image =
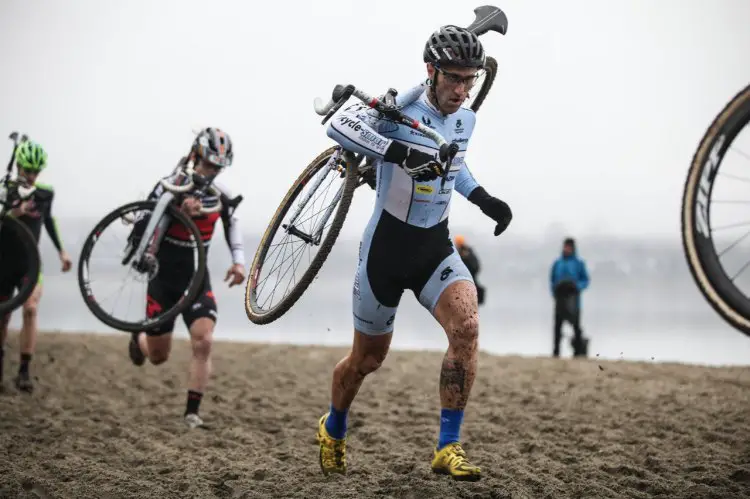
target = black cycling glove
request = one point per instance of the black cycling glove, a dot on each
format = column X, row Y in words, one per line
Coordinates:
column 497, row 210
column 420, row 166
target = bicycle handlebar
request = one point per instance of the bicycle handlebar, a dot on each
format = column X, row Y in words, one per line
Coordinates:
column 189, row 172
column 341, row 94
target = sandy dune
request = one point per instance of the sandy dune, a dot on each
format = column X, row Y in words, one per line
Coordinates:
column 97, row 426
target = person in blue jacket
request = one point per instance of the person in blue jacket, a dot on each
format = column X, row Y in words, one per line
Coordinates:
column 568, row 278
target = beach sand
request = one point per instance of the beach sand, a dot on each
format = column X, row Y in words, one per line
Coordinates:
column 97, row 426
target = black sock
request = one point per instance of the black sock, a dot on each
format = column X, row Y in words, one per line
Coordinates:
column 193, row 401
column 24, row 367
column 2, row 352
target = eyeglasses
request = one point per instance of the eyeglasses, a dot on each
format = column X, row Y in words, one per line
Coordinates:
column 454, row 79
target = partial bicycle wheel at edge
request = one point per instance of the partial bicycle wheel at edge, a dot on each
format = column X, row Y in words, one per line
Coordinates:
column 254, row 312
column 16, row 233
column 490, row 68
column 188, row 295
column 718, row 289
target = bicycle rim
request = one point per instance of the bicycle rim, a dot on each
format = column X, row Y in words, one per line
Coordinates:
column 268, row 254
column 706, row 251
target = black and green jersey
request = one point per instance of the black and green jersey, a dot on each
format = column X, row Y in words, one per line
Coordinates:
column 39, row 212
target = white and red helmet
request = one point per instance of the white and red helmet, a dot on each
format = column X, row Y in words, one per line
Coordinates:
column 214, row 146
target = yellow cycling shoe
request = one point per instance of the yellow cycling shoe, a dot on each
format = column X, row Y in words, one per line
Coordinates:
column 332, row 450
column 451, row 460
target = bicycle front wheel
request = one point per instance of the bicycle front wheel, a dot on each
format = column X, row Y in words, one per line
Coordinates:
column 716, row 193
column 20, row 264
column 109, row 250
column 329, row 183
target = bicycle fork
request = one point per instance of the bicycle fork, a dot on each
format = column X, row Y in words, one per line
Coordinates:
column 334, row 163
column 156, row 226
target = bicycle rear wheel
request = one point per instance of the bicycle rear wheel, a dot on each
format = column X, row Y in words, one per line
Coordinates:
column 300, row 233
column 20, row 264
column 160, row 265
column 699, row 209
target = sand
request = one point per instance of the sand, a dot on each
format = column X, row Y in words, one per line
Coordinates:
column 97, row 426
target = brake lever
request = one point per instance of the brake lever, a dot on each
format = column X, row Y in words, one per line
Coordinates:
column 447, row 154
column 340, row 95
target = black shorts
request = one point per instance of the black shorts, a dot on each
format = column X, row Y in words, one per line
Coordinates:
column 163, row 293
column 395, row 256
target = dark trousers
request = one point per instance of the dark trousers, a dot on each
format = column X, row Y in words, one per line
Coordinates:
column 566, row 310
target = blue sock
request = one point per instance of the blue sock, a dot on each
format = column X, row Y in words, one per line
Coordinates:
column 450, row 426
column 336, row 423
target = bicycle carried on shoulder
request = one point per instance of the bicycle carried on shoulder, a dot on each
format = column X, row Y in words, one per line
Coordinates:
column 714, row 249
column 312, row 218
column 20, row 261
column 139, row 254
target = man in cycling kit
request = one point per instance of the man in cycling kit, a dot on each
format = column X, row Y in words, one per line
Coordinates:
column 211, row 152
column 406, row 245
column 31, row 159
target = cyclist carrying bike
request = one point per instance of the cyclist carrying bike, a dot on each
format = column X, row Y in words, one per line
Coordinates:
column 31, row 159
column 406, row 245
column 211, row 152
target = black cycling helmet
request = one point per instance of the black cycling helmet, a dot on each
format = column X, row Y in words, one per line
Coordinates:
column 214, row 146
column 455, row 46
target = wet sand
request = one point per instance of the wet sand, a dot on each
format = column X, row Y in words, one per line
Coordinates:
column 97, row 426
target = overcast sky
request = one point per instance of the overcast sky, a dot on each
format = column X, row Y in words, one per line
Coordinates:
column 592, row 121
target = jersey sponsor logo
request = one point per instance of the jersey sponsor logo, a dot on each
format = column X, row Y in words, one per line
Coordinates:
column 355, row 125
column 153, row 307
column 459, row 127
column 369, row 138
column 373, row 140
column 361, row 319
column 447, row 271
column 424, row 189
column 356, row 291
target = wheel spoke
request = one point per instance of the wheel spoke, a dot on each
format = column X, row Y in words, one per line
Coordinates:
column 744, row 267
column 737, row 150
column 730, row 226
column 735, row 177
column 287, row 253
column 738, row 241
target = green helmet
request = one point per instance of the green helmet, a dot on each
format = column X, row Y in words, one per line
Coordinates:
column 31, row 156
